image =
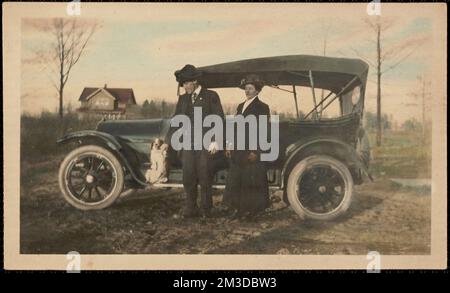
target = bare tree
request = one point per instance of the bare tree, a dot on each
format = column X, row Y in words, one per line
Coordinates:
column 325, row 41
column 421, row 94
column 386, row 58
column 69, row 38
column 323, row 37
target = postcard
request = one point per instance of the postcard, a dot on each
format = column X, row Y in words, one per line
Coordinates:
column 222, row 136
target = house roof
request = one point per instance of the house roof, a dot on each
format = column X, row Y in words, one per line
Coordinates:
column 122, row 95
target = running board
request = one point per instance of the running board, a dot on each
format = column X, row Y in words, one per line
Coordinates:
column 179, row 185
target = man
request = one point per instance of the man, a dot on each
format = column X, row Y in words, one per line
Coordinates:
column 197, row 164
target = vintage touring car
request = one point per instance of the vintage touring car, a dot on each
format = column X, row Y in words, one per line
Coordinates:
column 320, row 159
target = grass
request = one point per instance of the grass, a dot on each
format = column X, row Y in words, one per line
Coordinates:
column 419, row 190
column 38, row 134
column 402, row 154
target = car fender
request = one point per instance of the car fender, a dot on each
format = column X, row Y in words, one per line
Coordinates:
column 324, row 145
column 110, row 142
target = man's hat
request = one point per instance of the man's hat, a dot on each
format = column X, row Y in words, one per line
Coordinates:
column 252, row 79
column 187, row 73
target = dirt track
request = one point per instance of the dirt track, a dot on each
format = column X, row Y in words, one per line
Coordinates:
column 382, row 217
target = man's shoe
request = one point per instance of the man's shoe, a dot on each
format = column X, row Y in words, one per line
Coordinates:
column 249, row 217
column 233, row 214
column 191, row 213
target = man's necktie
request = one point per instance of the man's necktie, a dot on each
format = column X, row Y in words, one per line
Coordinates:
column 193, row 97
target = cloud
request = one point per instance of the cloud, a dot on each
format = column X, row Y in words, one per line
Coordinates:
column 220, row 44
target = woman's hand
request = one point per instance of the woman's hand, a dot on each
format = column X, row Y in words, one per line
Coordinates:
column 228, row 153
column 252, row 157
column 228, row 149
column 213, row 147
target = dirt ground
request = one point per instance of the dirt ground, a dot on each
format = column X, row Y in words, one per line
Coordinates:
column 382, row 217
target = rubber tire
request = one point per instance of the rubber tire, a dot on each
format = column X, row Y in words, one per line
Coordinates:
column 91, row 149
column 297, row 172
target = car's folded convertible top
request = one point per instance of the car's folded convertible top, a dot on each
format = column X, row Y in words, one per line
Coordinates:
column 328, row 72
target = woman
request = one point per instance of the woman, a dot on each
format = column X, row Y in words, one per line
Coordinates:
column 247, row 192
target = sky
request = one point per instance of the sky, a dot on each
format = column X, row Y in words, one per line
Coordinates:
column 139, row 46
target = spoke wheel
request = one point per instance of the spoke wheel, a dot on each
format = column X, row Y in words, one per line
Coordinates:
column 320, row 187
column 91, row 177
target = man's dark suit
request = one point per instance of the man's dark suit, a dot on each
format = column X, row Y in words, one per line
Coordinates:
column 197, row 164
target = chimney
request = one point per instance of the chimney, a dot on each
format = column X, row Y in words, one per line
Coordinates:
column 105, row 86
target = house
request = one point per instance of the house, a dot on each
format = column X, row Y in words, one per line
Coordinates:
column 110, row 103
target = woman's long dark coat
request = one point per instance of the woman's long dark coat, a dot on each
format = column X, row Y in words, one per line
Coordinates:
column 247, row 187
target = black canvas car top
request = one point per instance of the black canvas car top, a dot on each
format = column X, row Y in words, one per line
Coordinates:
column 328, row 72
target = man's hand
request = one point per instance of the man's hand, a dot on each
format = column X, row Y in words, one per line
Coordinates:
column 213, row 147
column 252, row 157
column 228, row 149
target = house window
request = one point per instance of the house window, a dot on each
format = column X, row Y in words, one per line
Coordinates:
column 101, row 103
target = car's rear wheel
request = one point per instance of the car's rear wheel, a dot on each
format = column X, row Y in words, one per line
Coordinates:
column 320, row 187
column 90, row 178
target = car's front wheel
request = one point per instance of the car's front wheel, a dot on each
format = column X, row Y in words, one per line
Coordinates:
column 320, row 187
column 91, row 177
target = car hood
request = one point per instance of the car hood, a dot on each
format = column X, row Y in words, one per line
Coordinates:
column 146, row 129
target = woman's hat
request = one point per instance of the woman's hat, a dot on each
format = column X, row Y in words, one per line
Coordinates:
column 252, row 79
column 187, row 73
